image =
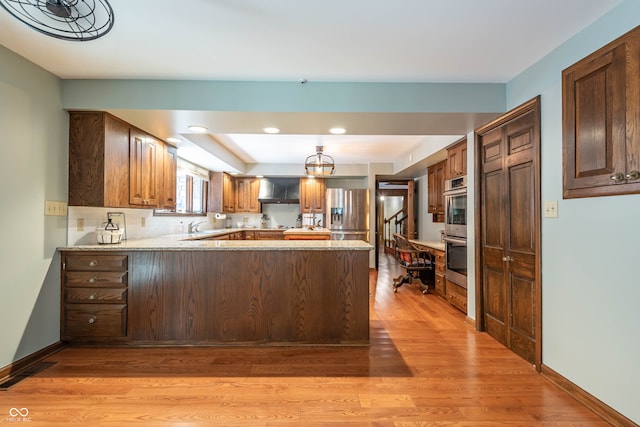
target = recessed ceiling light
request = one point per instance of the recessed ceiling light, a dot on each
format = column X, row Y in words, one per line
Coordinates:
column 337, row 131
column 199, row 129
column 174, row 140
column 271, row 130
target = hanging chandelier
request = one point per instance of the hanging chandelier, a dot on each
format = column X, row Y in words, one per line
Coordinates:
column 74, row 20
column 319, row 164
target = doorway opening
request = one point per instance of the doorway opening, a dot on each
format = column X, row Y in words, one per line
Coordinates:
column 395, row 204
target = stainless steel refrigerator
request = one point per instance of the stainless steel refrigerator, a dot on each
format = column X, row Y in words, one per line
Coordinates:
column 347, row 213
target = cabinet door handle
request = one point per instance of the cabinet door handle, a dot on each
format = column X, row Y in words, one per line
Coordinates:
column 92, row 319
column 93, row 296
column 633, row 175
column 617, row 177
column 507, row 258
column 93, row 280
column 93, row 263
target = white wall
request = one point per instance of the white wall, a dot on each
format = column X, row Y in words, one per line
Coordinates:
column 427, row 229
column 590, row 281
column 33, row 167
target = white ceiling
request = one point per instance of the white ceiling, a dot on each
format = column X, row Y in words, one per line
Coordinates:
column 453, row 41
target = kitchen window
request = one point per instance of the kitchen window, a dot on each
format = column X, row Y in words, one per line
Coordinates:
column 192, row 189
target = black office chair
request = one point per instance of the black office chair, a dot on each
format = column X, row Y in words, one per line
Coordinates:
column 413, row 261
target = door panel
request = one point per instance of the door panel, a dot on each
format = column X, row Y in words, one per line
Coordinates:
column 522, row 329
column 508, row 304
column 521, row 212
column 495, row 307
column 492, row 206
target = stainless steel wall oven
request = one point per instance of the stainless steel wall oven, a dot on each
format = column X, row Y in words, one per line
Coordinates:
column 455, row 230
column 455, row 209
column 456, row 260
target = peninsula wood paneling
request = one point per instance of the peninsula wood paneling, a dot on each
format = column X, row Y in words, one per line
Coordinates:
column 249, row 297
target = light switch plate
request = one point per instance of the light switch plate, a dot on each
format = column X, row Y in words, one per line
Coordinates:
column 54, row 208
column 551, row 209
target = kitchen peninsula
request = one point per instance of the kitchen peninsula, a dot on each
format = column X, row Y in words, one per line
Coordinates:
column 174, row 290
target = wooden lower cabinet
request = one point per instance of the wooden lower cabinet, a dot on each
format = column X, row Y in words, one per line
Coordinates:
column 439, row 276
column 456, row 295
column 94, row 296
column 269, row 235
column 216, row 297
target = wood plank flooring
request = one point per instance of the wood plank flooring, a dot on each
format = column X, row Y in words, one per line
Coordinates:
column 425, row 367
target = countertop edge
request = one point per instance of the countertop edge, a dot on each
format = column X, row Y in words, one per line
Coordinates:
column 174, row 243
column 429, row 243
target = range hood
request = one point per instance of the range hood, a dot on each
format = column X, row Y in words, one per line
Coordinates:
column 279, row 190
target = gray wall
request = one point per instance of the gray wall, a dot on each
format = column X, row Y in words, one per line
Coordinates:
column 33, row 168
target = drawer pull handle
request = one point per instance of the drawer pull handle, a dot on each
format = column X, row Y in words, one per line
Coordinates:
column 93, row 296
column 93, row 263
column 93, row 280
column 92, row 319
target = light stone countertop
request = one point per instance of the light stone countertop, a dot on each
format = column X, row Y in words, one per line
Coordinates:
column 429, row 243
column 197, row 241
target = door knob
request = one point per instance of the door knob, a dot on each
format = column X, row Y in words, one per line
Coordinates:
column 507, row 258
column 617, row 177
column 633, row 175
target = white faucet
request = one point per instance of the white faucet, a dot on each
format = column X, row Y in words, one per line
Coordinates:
column 194, row 226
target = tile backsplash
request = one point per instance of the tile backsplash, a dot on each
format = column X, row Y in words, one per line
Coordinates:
column 141, row 223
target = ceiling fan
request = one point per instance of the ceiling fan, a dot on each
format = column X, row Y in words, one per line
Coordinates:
column 74, row 20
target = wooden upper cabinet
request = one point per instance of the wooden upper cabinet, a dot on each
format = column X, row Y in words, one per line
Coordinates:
column 145, row 156
column 221, row 192
column 312, row 195
column 229, row 193
column 601, row 121
column 246, row 195
column 169, row 170
column 435, row 187
column 457, row 159
column 98, row 160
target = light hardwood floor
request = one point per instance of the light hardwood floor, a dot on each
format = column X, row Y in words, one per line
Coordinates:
column 425, row 367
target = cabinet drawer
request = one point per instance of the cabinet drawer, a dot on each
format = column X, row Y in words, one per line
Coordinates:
column 96, row 279
column 96, row 262
column 95, row 320
column 457, row 296
column 440, row 262
column 95, row 295
column 440, row 285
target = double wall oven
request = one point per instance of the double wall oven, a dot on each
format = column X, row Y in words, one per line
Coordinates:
column 455, row 230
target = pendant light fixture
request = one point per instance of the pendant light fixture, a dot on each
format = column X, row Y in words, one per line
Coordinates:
column 319, row 164
column 74, row 20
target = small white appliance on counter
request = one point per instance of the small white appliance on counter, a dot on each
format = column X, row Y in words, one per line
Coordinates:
column 312, row 220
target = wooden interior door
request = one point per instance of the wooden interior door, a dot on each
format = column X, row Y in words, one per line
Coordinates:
column 508, row 282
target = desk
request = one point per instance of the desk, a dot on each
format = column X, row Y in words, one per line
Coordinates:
column 437, row 250
column 455, row 294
